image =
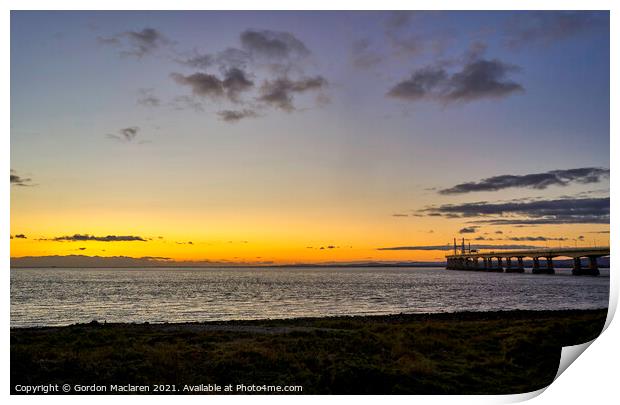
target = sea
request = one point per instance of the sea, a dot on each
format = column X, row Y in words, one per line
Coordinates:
column 64, row 296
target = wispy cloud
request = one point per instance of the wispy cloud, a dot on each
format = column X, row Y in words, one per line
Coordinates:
column 147, row 98
column 526, row 29
column 279, row 93
column 17, row 180
column 273, row 44
column 136, row 43
column 128, row 134
column 539, row 181
column 107, row 238
column 236, row 115
column 363, row 55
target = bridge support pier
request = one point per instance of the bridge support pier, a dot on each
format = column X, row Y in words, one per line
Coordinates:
column 592, row 270
column 520, row 268
column 536, row 269
column 511, row 269
column 535, row 265
column 500, row 267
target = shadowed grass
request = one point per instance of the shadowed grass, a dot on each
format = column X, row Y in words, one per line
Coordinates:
column 464, row 353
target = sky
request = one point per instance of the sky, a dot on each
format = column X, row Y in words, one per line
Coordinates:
column 306, row 137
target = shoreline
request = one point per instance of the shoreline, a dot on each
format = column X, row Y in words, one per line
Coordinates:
column 499, row 352
column 422, row 316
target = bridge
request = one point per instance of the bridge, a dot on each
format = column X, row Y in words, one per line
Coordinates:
column 501, row 261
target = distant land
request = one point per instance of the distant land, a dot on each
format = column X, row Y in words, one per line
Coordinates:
column 81, row 261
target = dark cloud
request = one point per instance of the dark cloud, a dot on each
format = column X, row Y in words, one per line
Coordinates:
column 559, row 211
column 235, row 82
column 534, row 238
column 477, row 79
column 421, row 84
column 279, row 93
column 236, row 115
column 537, row 181
column 108, row 238
column 202, row 84
column 526, row 29
column 469, row 229
column 400, row 215
column 450, row 247
column 20, row 236
column 273, row 44
column 125, row 134
column 17, row 180
column 136, row 43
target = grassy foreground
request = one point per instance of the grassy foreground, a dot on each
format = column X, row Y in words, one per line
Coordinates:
column 463, row 353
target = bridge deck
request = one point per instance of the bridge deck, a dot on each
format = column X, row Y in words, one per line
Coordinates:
column 550, row 252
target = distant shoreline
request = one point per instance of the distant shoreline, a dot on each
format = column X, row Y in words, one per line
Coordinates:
column 284, row 266
column 433, row 265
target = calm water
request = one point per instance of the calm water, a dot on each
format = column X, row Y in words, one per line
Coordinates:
column 65, row 296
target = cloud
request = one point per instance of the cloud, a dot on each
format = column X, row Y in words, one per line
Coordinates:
column 20, row 236
column 136, row 43
column 469, row 229
column 236, row 115
column 400, row 215
column 399, row 19
column 225, row 60
column 526, row 29
column 146, row 98
column 279, row 93
column 125, row 134
column 449, row 247
column 199, row 61
column 187, row 102
column 524, row 212
column 273, row 44
column 108, row 238
column 539, row 181
column 362, row 56
column 477, row 79
column 533, row 238
column 17, row 180
column 235, row 82
column 202, row 84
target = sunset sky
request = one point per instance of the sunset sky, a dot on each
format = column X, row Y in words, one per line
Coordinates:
column 288, row 137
